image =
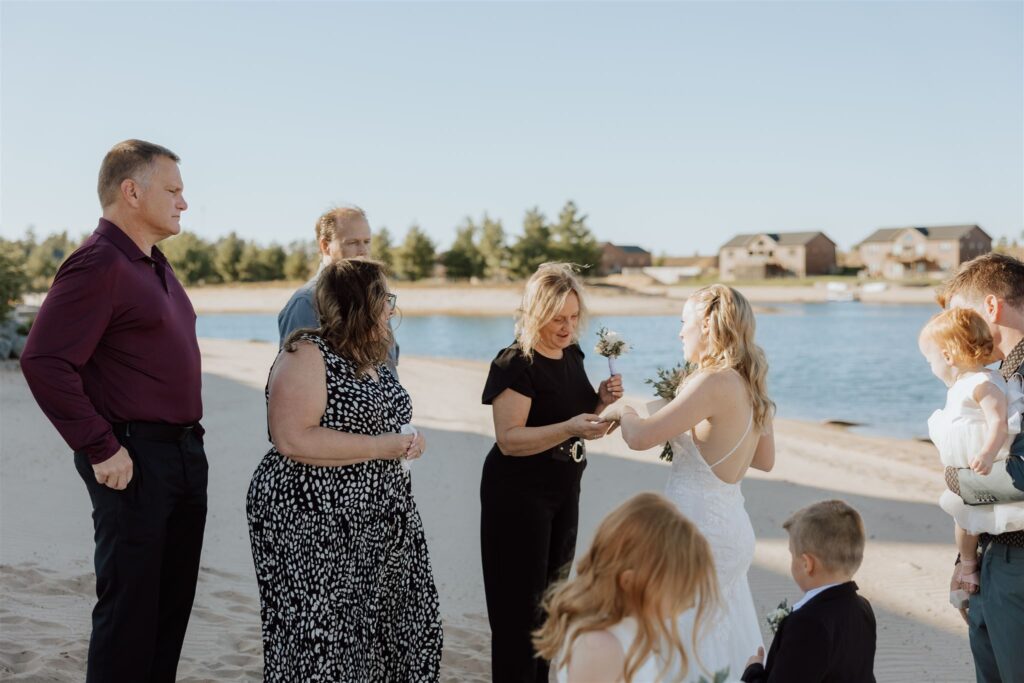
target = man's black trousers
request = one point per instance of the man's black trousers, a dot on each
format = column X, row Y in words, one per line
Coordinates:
column 148, row 542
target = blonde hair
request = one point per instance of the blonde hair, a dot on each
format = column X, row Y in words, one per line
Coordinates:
column 350, row 298
column 831, row 531
column 337, row 217
column 671, row 563
column 730, row 344
column 963, row 334
column 546, row 293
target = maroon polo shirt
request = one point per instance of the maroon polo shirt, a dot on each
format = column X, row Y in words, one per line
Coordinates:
column 114, row 341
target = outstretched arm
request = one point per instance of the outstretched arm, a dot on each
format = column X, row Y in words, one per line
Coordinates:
column 510, row 411
column 689, row 408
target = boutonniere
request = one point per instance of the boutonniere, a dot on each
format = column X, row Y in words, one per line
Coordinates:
column 611, row 345
column 775, row 617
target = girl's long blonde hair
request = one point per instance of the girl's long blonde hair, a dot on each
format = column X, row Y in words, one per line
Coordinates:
column 670, row 570
column 545, row 295
column 730, row 344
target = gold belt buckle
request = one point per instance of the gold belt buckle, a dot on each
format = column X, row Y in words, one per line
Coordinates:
column 577, row 451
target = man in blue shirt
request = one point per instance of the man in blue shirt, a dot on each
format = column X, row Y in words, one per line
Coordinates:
column 341, row 233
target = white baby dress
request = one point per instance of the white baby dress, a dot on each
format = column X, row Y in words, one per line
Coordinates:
column 959, row 431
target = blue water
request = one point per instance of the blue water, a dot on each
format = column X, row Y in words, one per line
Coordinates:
column 850, row 361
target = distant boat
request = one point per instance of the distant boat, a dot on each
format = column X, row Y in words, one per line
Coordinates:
column 839, row 292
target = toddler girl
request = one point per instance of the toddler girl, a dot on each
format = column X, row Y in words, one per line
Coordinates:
column 972, row 430
column 616, row 620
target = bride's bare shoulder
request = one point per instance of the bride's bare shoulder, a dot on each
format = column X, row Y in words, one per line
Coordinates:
column 725, row 380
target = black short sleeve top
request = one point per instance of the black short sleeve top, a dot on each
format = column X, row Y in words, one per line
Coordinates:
column 559, row 389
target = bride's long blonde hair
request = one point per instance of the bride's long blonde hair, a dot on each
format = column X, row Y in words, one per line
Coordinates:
column 670, row 570
column 730, row 344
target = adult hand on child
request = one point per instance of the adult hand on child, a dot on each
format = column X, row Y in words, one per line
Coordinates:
column 955, row 584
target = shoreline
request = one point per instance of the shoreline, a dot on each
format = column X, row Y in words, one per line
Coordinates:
column 501, row 300
column 416, row 299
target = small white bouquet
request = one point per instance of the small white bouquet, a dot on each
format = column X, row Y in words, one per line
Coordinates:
column 611, row 345
column 408, row 429
column 775, row 617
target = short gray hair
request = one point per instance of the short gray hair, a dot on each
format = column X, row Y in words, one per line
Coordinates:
column 129, row 159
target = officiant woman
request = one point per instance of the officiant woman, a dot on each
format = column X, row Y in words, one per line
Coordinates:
column 544, row 408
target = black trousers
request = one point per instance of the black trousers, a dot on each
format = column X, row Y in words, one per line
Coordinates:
column 148, row 541
column 529, row 513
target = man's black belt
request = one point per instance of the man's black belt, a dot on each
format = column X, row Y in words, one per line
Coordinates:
column 155, row 431
column 573, row 449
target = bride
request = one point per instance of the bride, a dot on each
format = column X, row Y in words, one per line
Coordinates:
column 718, row 425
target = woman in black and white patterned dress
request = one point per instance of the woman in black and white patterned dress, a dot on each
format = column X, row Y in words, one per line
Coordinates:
column 346, row 588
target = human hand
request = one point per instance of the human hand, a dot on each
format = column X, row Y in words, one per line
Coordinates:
column 417, row 447
column 116, row 471
column 955, row 585
column 610, row 390
column 758, row 658
column 982, row 464
column 588, row 426
column 394, row 446
column 614, row 414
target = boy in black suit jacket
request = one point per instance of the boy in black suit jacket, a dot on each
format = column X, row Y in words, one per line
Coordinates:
column 830, row 634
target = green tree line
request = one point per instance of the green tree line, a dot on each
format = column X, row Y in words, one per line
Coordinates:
column 481, row 249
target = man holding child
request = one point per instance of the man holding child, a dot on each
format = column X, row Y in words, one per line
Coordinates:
column 993, row 286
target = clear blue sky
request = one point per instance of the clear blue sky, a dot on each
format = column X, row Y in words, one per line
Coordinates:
column 672, row 125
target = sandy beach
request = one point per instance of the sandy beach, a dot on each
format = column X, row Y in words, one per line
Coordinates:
column 613, row 296
column 46, row 579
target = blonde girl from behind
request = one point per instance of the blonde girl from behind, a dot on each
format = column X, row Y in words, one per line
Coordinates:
column 616, row 620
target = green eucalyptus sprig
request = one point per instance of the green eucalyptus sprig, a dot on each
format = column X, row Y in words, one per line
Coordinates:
column 720, row 677
column 667, row 381
column 666, row 384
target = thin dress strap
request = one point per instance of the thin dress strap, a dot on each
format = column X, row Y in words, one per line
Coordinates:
column 750, row 423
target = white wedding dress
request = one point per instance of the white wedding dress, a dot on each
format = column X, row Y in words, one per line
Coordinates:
column 730, row 636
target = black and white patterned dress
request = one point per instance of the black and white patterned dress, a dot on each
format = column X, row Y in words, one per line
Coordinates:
column 346, row 588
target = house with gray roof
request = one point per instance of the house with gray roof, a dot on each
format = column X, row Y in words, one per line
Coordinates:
column 897, row 253
column 776, row 254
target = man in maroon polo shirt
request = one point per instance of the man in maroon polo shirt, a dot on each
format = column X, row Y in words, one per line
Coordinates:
column 113, row 362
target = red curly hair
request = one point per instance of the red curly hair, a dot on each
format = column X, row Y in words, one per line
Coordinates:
column 963, row 334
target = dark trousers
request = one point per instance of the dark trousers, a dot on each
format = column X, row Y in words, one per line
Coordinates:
column 148, row 541
column 996, row 616
column 529, row 514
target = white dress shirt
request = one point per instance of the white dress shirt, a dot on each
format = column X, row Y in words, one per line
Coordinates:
column 811, row 593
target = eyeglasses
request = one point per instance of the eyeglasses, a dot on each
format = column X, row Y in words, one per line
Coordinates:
column 392, row 300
